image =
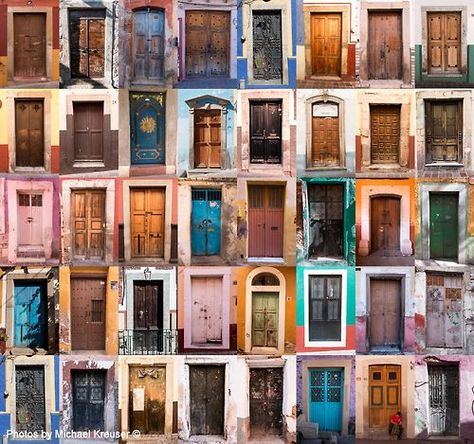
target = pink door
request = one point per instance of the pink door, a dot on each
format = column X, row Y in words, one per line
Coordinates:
column 30, row 222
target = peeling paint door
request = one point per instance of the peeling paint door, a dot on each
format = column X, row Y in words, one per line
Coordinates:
column 444, row 42
column 88, row 121
column 326, row 398
column 30, row 399
column 264, row 319
column 265, row 132
column 30, row 224
column 88, row 398
column 385, row 134
column 266, row 400
column 326, row 44
column 29, row 132
column 325, row 137
column 206, row 386
column 385, row 225
column 206, row 222
column 444, row 226
column 147, row 399
column 207, row 138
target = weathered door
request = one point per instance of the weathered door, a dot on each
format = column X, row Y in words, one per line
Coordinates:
column 326, row 220
column 444, row 310
column 325, row 137
column 385, row 314
column 147, row 399
column 147, row 206
column 265, row 132
column 87, row 43
column 326, row 44
column 30, row 399
column 207, row 138
column 266, row 399
column 206, row 222
column 206, row 386
column 88, row 313
column 148, row 44
column 384, row 45
column 29, row 45
column 267, row 48
column 443, row 384
column 207, row 43
column 384, row 134
column 88, row 396
column 264, row 319
column 147, row 128
column 265, row 215
column 30, row 224
column 88, row 222
column 444, row 42
column 325, row 308
column 326, row 398
column 444, row 131
column 88, row 131
column 206, row 310
column 385, row 225
column 384, row 394
column 29, row 133
column 444, row 225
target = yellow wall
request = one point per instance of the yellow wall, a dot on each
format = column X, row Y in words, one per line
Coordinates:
column 4, row 116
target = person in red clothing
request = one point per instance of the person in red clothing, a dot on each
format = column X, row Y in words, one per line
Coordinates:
column 395, row 427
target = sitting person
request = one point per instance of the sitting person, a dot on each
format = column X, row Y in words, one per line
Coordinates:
column 395, row 427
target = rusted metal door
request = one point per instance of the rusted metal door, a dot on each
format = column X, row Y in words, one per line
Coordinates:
column 266, row 212
column 30, row 399
column 88, row 222
column 207, row 138
column 88, row 121
column 385, row 225
column 385, row 314
column 29, row 45
column 88, row 398
column 147, row 399
column 87, row 43
column 206, row 386
column 384, row 134
column 147, row 206
column 326, row 44
column 325, row 137
column 266, row 399
column 444, row 310
column 88, row 313
column 444, row 42
column 384, row 45
column 29, row 132
column 264, row 319
column 207, row 43
column 444, row 225
column 265, row 132
column 30, row 223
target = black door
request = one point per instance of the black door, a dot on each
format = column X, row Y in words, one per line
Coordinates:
column 88, row 400
column 265, row 132
column 30, row 402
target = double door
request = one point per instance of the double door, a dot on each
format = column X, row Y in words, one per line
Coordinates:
column 265, row 132
column 30, row 224
column 264, row 319
column 385, row 225
column 444, row 226
column 207, row 138
column 444, row 42
column 326, row 44
column 88, row 397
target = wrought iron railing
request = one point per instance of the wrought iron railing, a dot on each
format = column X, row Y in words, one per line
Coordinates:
column 148, row 342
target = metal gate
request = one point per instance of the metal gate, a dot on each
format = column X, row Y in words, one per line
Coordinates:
column 30, row 402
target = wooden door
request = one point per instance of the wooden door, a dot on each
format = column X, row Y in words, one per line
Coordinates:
column 147, row 206
column 385, row 314
column 206, row 222
column 30, row 399
column 29, row 132
column 384, row 134
column 207, row 43
column 444, row 42
column 384, row 394
column 88, row 121
column 207, row 138
column 29, row 45
column 325, row 137
column 384, row 47
column 88, row 313
column 87, row 43
column 30, row 223
column 266, row 400
column 88, row 222
column 148, row 44
column 326, row 44
column 206, row 386
column 444, row 131
column 265, row 132
column 444, row 310
column 88, row 398
column 264, row 319
column 326, row 221
column 147, row 399
column 385, row 225
column 265, row 217
column 444, row 225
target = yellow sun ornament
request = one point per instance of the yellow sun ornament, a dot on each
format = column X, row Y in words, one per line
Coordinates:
column 148, row 124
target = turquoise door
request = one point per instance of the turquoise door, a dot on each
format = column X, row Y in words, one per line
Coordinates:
column 206, row 222
column 326, row 398
column 30, row 313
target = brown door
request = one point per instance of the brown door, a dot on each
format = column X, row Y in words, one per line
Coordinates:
column 88, row 313
column 207, row 43
column 326, row 44
column 29, row 45
column 325, row 137
column 207, row 138
column 384, row 134
column 385, row 225
column 444, row 42
column 266, row 211
column 88, row 131
column 29, row 135
column 265, row 132
column 147, row 206
column 385, row 314
column 384, row 45
column 147, row 399
column 148, row 305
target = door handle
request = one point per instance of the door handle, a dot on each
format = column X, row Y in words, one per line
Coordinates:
column 29, row 219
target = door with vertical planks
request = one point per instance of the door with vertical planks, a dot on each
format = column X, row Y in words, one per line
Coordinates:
column 88, row 399
column 88, row 121
column 385, row 225
column 444, row 42
column 30, row 399
column 265, row 132
column 29, row 133
column 326, row 44
column 264, row 319
column 444, row 226
column 385, row 134
column 207, row 138
column 325, row 137
column 30, row 225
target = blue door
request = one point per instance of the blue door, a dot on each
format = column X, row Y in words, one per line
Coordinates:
column 206, row 222
column 326, row 398
column 30, row 329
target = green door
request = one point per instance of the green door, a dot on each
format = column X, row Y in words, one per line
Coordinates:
column 444, row 226
column 264, row 319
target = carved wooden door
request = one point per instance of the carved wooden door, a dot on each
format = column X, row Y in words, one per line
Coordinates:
column 384, row 134
column 326, row 44
column 444, row 42
column 207, row 138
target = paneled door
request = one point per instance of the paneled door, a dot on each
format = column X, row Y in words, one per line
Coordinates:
column 265, row 132
column 264, row 319
column 326, row 44
column 88, row 121
column 88, row 398
column 206, row 222
column 384, row 134
column 29, row 132
column 444, row 42
column 30, row 224
column 30, row 399
column 207, row 138
column 325, row 137
column 385, row 225
column 444, row 225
